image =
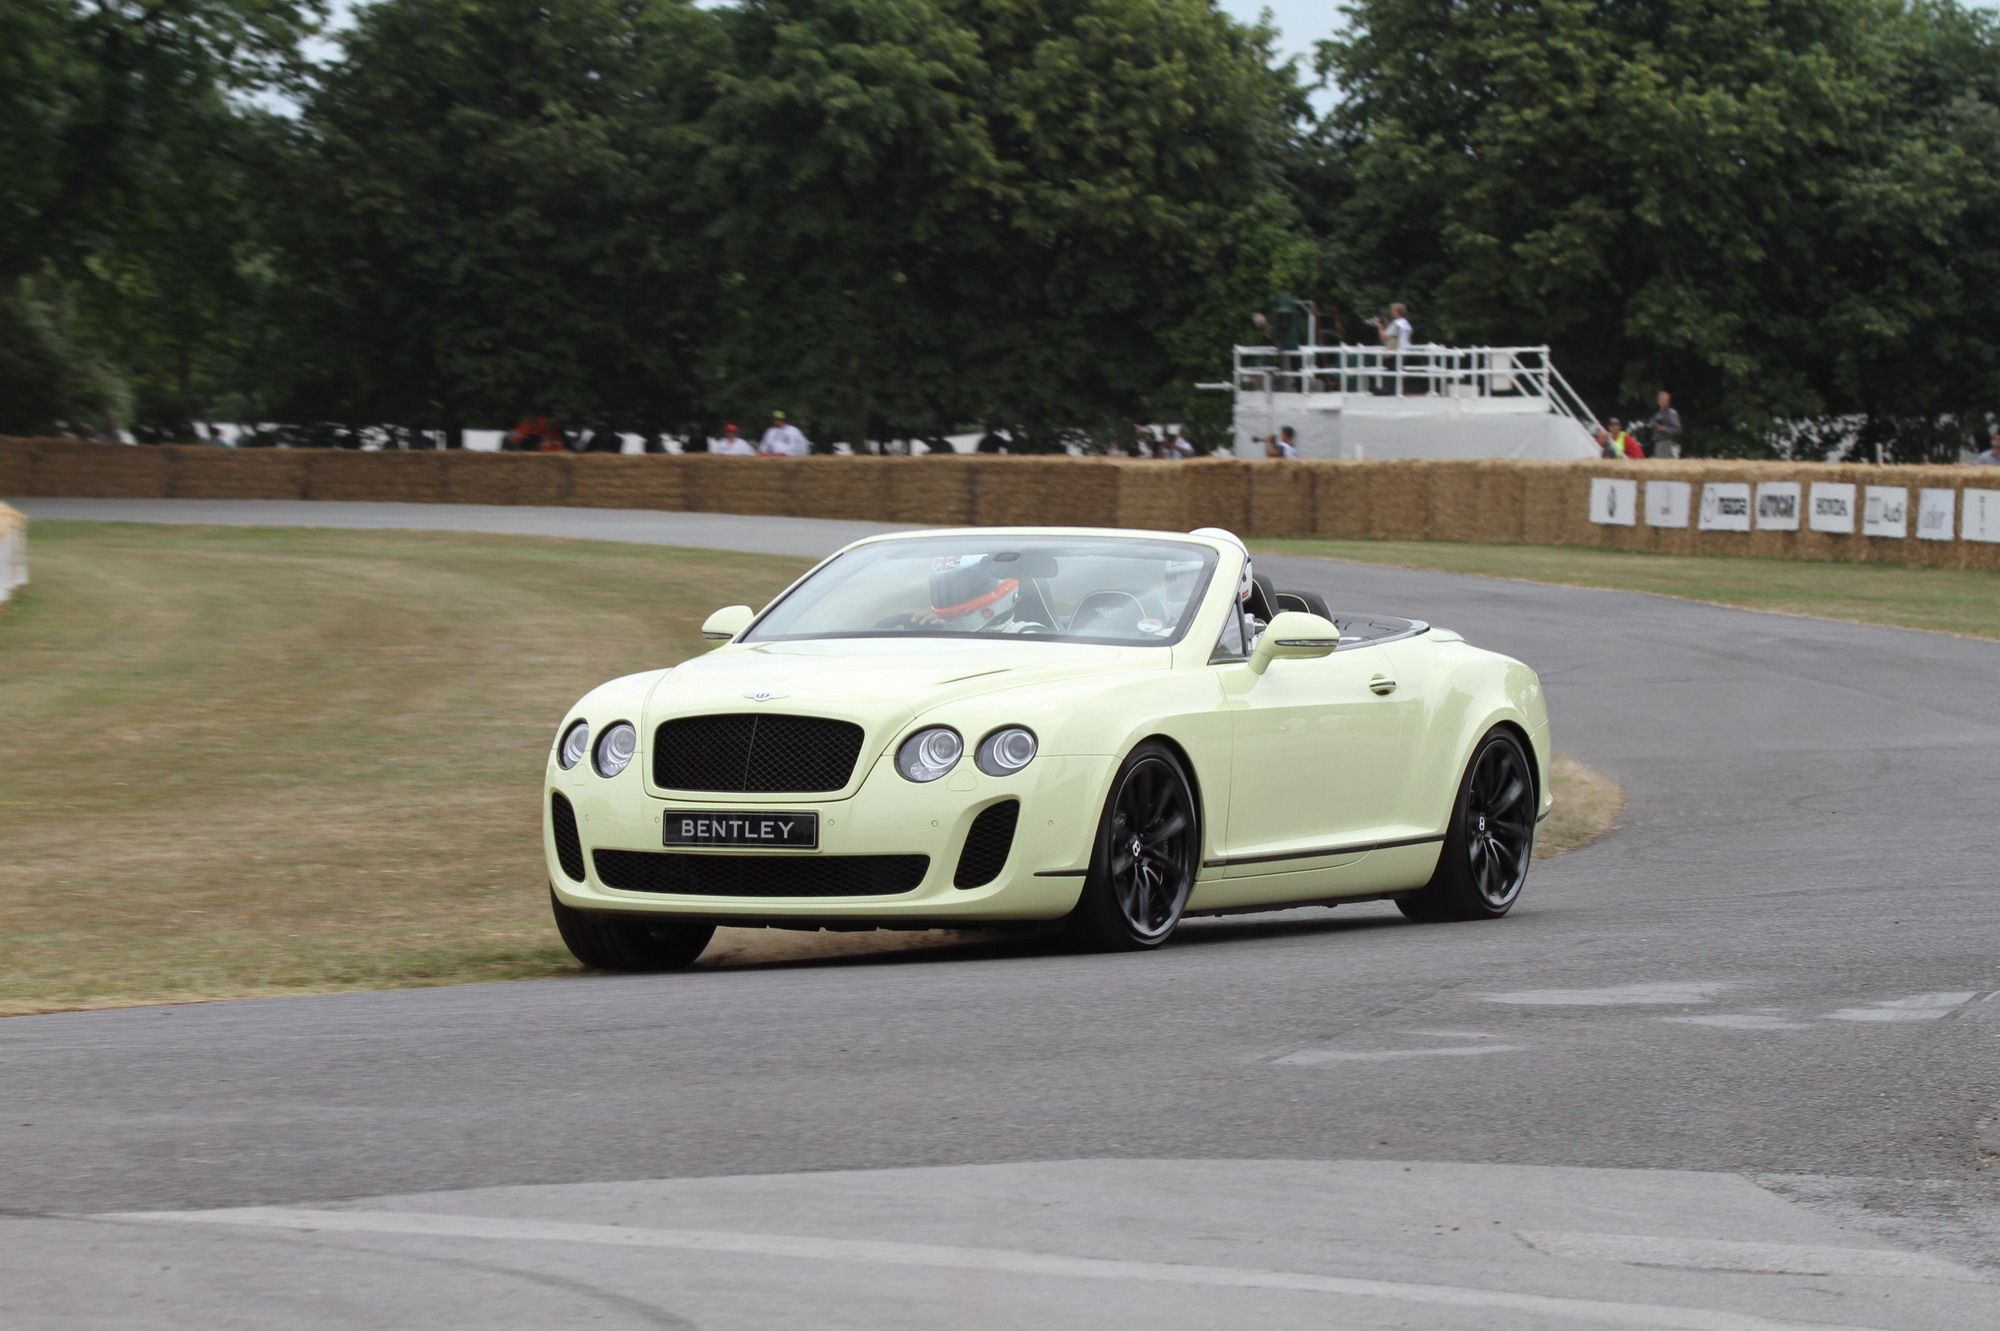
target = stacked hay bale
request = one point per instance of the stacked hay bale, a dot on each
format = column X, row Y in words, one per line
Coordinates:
column 1340, row 499
column 1280, row 501
column 1153, row 497
column 228, row 473
column 506, row 478
column 833, row 487
column 1217, row 494
column 1047, row 492
column 101, row 471
column 932, row 491
column 1551, row 495
column 758, row 486
column 397, row 478
column 17, row 465
column 1399, row 500
column 618, row 480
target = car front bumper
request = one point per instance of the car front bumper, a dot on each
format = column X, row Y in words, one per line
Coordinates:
column 1040, row 878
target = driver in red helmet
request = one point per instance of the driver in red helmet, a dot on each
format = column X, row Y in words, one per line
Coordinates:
column 972, row 594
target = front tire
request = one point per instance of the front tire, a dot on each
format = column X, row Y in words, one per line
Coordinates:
column 1143, row 865
column 1490, row 840
column 625, row 943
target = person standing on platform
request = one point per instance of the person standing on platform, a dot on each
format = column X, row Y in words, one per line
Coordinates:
column 1665, row 428
column 784, row 439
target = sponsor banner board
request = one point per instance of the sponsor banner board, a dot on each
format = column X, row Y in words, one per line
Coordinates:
column 1778, row 504
column 1937, row 513
column 1667, row 503
column 1886, row 511
column 1614, row 503
column 1725, row 506
column 1982, row 516
column 1832, row 507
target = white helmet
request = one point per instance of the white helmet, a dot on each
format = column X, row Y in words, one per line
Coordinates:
column 1245, row 583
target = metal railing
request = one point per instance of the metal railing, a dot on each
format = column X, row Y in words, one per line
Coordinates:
column 1513, row 374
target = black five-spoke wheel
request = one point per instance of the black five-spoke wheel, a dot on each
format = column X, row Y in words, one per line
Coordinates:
column 1491, row 839
column 1148, row 848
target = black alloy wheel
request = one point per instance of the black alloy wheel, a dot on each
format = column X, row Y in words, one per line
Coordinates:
column 1148, row 850
column 629, row 942
column 1490, row 841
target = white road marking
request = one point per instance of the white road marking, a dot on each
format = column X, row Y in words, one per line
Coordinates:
column 989, row 1260
column 1743, row 1021
column 1917, row 1007
column 1305, row 1058
column 1658, row 993
column 1787, row 1259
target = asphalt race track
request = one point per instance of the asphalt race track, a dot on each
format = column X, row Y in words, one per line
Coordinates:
column 1735, row 1066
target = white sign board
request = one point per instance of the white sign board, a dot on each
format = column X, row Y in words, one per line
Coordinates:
column 1667, row 503
column 1778, row 504
column 1725, row 506
column 1613, row 502
column 1937, row 513
column 1832, row 507
column 1886, row 512
column 1982, row 516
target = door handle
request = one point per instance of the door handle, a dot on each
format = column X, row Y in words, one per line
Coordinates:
column 1382, row 686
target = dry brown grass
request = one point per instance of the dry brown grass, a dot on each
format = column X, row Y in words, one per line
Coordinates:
column 241, row 762
column 1587, row 806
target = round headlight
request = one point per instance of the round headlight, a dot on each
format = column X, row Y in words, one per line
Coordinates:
column 574, row 741
column 615, row 747
column 1006, row 751
column 929, row 754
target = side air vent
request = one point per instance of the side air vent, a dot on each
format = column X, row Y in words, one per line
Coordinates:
column 569, row 846
column 987, row 845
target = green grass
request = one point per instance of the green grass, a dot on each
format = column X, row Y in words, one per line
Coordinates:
column 1941, row 600
column 241, row 762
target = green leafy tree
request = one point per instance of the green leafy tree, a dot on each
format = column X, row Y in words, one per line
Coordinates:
column 1734, row 200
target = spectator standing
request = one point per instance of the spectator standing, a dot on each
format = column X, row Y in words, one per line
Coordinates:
column 1398, row 336
column 1176, row 447
column 534, row 433
column 1991, row 457
column 1602, row 438
column 784, row 439
column 1280, row 446
column 1623, row 445
column 603, row 439
column 1666, row 428
column 732, row 444
column 1288, row 441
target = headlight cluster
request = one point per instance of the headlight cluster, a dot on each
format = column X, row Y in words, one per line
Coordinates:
column 616, row 744
column 933, row 752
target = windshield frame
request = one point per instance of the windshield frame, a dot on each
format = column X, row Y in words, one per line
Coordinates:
column 1210, row 559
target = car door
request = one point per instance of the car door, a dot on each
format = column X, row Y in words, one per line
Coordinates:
column 1321, row 748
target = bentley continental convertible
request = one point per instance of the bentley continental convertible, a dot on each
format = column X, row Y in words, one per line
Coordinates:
column 1102, row 732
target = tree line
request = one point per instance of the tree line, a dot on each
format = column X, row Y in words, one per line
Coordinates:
column 893, row 218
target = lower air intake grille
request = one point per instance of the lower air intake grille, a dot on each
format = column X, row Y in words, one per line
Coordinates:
column 986, row 845
column 760, row 875
column 569, row 846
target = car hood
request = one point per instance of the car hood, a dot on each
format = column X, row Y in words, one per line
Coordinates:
column 878, row 681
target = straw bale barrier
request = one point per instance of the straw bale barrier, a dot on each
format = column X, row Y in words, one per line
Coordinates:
column 1532, row 503
column 396, row 478
column 229, row 473
column 13, row 553
column 628, row 480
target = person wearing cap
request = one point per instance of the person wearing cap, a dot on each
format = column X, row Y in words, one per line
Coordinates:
column 732, row 444
column 1623, row 445
column 784, row 439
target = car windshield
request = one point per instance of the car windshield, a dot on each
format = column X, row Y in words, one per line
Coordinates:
column 1123, row 590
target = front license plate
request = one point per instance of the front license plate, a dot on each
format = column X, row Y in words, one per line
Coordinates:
column 781, row 831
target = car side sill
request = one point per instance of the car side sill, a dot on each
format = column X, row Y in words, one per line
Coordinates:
column 1322, row 852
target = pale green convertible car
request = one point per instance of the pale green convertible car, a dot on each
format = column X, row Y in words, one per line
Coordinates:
column 1099, row 731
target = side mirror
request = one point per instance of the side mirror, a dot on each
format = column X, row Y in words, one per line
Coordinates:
column 1294, row 636
column 727, row 622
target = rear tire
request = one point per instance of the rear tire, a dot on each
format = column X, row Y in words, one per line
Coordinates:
column 626, row 943
column 1489, row 841
column 1143, row 865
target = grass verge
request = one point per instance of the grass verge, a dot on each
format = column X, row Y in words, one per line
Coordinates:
column 1941, row 600
column 241, row 761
